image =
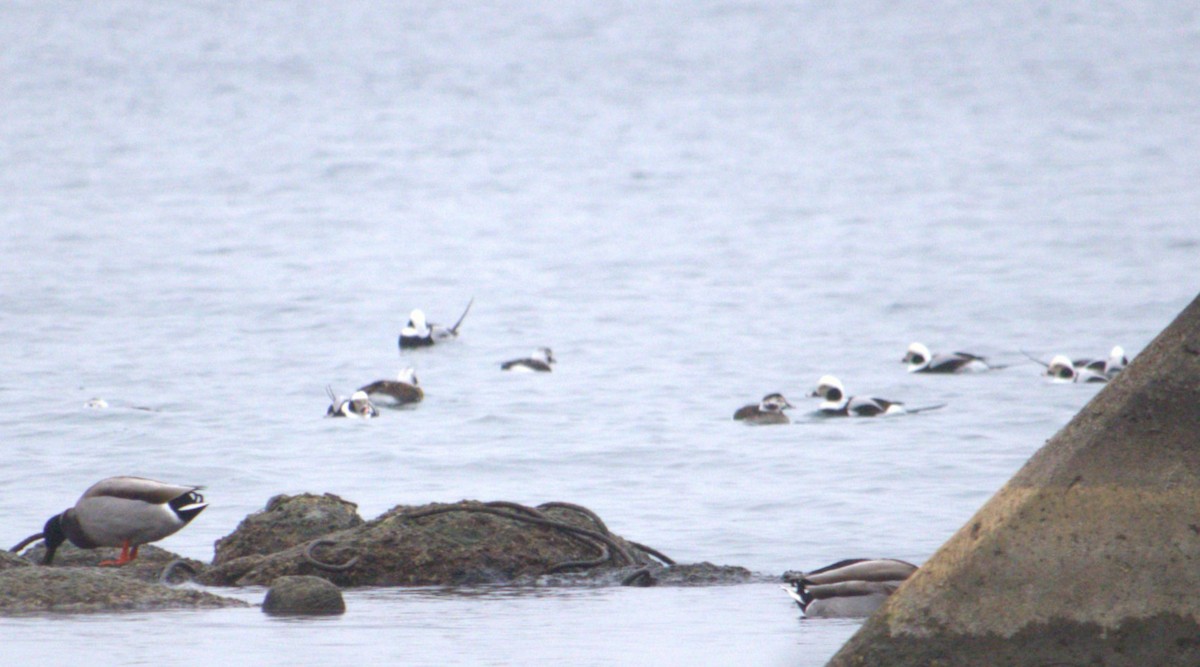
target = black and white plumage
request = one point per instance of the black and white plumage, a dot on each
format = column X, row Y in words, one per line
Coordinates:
column 921, row 360
column 420, row 333
column 1103, row 370
column 836, row 403
column 358, row 405
column 404, row 390
column 1062, row 369
column 124, row 512
column 851, row 588
column 539, row 362
column 767, row 411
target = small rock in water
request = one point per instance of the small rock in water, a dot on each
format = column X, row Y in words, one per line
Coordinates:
column 304, row 594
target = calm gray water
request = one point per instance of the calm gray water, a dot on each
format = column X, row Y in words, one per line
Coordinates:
column 216, row 210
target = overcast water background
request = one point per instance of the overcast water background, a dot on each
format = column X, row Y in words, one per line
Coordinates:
column 214, row 210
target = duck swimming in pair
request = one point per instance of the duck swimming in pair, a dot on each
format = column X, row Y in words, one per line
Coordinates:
column 421, row 333
column 768, row 411
column 852, row 588
column 921, row 360
column 837, row 404
column 1109, row 368
column 404, row 390
column 358, row 405
column 539, row 362
column 124, row 512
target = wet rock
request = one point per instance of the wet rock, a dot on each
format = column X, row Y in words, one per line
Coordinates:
column 438, row 544
column 286, row 522
column 148, row 566
column 304, row 595
column 10, row 560
column 76, row 589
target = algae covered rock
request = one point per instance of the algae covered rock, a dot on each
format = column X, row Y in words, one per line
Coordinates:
column 286, row 522
column 304, row 595
column 26, row 590
column 450, row 544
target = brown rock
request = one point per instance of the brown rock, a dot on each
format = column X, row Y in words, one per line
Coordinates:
column 311, row 596
column 286, row 522
column 26, row 590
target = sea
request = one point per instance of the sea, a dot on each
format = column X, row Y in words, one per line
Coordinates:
column 211, row 212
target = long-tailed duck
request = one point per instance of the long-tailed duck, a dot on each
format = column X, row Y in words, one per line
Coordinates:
column 1109, row 368
column 538, row 361
column 837, row 404
column 852, row 588
column 405, row 389
column 420, row 333
column 124, row 512
column 1062, row 369
column 358, row 405
column 920, row 360
column 768, row 411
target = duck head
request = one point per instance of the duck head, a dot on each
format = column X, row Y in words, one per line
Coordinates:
column 1060, row 369
column 829, row 388
column 54, row 536
column 360, row 404
column 917, row 356
column 774, row 403
column 545, row 354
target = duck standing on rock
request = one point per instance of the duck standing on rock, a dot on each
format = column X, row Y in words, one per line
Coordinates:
column 124, row 512
column 768, row 411
column 538, row 362
column 851, row 588
column 405, row 389
column 420, row 333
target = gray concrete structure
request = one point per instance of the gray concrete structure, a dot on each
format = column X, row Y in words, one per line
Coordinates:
column 1089, row 555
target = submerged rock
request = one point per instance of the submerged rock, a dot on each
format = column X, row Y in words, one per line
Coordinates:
column 304, row 595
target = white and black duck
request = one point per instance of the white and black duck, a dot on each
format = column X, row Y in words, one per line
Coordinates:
column 124, row 512
column 404, row 390
column 419, row 332
column 835, row 402
column 852, row 588
column 358, row 405
column 1108, row 368
column 767, row 411
column 537, row 362
column 921, row 360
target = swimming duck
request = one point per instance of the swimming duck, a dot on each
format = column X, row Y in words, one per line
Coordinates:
column 358, row 405
column 1062, row 369
column 1108, row 368
column 420, row 333
column 538, row 361
column 837, row 404
column 401, row 391
column 920, row 360
column 852, row 588
column 124, row 512
column 768, row 411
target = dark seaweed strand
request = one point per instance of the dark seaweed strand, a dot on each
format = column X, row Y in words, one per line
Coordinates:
column 537, row 520
column 663, row 558
column 177, row 564
column 322, row 565
column 580, row 509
